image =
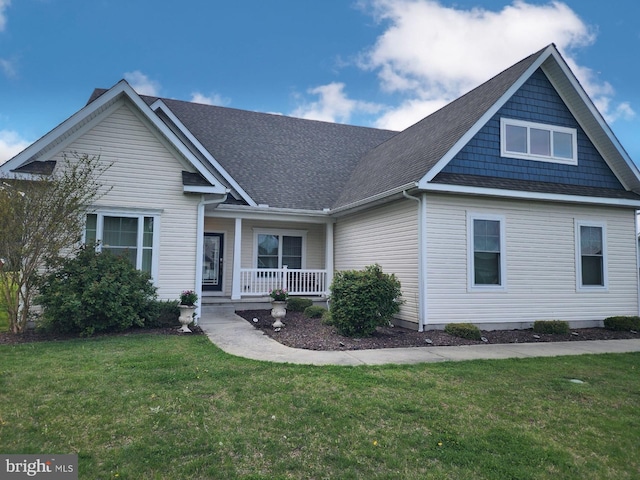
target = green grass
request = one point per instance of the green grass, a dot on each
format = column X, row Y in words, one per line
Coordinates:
column 144, row 406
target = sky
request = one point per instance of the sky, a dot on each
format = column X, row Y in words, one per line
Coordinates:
column 376, row 63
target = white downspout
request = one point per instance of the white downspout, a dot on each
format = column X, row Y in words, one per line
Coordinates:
column 329, row 265
column 200, row 248
column 637, row 237
column 422, row 258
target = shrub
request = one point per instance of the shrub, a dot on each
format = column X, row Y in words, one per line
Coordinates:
column 96, row 292
column 163, row 314
column 314, row 311
column 463, row 330
column 362, row 300
column 622, row 323
column 298, row 304
column 551, row 326
column 326, row 318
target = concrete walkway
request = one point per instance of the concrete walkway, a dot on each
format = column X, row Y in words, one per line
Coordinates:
column 236, row 336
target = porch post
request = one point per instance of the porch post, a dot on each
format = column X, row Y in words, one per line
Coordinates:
column 329, row 256
column 236, row 292
column 199, row 255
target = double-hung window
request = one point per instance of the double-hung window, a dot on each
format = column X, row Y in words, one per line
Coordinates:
column 486, row 252
column 538, row 141
column 591, row 255
column 275, row 249
column 133, row 236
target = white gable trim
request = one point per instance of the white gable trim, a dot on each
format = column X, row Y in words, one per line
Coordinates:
column 624, row 168
column 612, row 153
column 159, row 104
column 466, row 138
column 86, row 118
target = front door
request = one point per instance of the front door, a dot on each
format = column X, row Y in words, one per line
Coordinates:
column 212, row 261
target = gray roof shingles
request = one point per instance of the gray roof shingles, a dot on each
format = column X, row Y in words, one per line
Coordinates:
column 295, row 163
column 410, row 155
column 279, row 161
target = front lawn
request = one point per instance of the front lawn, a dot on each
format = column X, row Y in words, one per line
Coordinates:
column 146, row 406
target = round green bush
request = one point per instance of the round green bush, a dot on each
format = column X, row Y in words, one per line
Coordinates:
column 96, row 292
column 551, row 326
column 298, row 304
column 623, row 323
column 362, row 300
column 463, row 330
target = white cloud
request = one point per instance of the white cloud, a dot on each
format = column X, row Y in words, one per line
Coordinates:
column 430, row 54
column 333, row 105
column 4, row 4
column 7, row 68
column 10, row 145
column 214, row 99
column 141, row 83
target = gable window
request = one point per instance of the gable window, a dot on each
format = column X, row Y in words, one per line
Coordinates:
column 132, row 236
column 538, row 141
column 274, row 249
column 591, row 255
column 487, row 265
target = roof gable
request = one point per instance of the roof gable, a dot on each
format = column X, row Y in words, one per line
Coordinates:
column 102, row 103
column 536, row 101
column 409, row 156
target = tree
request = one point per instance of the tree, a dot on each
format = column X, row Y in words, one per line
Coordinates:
column 41, row 218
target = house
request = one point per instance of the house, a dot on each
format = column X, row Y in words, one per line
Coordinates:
column 514, row 203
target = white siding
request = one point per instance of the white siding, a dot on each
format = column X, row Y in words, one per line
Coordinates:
column 541, row 263
column 145, row 174
column 388, row 236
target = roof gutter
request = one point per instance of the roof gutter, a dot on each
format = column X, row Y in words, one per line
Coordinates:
column 378, row 198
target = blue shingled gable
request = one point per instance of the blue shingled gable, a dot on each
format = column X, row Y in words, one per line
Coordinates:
column 536, row 101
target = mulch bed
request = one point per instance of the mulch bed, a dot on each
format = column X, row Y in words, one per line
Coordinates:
column 312, row 334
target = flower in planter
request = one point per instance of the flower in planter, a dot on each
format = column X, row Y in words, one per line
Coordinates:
column 279, row 295
column 188, row 297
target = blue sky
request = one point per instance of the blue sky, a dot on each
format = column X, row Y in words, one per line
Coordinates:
column 380, row 63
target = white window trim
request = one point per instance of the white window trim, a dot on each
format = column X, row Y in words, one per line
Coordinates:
column 542, row 126
column 578, row 254
column 280, row 232
column 140, row 216
column 471, row 285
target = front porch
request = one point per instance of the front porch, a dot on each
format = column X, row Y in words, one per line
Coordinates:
column 249, row 252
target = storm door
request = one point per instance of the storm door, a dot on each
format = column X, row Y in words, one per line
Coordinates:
column 212, row 261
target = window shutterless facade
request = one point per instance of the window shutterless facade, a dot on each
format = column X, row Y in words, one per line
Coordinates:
column 591, row 256
column 486, row 252
column 538, row 141
column 133, row 236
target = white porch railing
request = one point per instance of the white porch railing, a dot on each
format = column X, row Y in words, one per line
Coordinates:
column 260, row 281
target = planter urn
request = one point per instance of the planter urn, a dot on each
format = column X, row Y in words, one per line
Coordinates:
column 186, row 317
column 278, row 311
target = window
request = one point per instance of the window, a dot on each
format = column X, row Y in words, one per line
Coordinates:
column 591, row 255
column 537, row 141
column 487, row 269
column 276, row 249
column 129, row 235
